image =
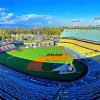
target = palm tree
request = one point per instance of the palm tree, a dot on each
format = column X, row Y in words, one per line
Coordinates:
column 3, row 35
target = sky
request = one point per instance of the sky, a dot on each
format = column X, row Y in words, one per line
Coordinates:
column 49, row 12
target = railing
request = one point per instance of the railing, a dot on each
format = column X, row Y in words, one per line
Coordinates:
column 58, row 95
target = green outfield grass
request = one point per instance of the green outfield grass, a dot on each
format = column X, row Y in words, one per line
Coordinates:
column 19, row 60
column 35, row 53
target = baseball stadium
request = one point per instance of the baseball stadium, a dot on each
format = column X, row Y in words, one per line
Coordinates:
column 44, row 71
column 49, row 49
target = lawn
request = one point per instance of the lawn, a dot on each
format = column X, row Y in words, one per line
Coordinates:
column 50, row 65
column 19, row 60
column 35, row 53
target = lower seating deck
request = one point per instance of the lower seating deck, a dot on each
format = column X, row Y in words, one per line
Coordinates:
column 83, row 51
column 91, row 91
column 12, row 87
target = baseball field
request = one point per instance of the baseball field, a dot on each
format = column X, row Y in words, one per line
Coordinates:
column 40, row 62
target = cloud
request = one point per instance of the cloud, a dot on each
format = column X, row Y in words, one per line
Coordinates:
column 39, row 20
column 35, row 20
column 29, row 19
column 5, row 17
column 9, row 16
column 2, row 9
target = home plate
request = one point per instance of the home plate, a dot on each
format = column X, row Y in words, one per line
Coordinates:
column 64, row 69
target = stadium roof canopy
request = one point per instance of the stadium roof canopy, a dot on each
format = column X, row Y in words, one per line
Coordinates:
column 84, row 34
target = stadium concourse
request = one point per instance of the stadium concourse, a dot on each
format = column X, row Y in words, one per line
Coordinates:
column 14, row 85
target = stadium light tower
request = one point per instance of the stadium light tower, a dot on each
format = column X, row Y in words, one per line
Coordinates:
column 97, row 20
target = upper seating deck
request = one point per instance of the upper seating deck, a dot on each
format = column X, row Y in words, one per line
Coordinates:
column 91, row 46
column 83, row 41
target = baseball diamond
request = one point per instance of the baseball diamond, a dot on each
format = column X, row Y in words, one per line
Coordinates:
column 41, row 62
